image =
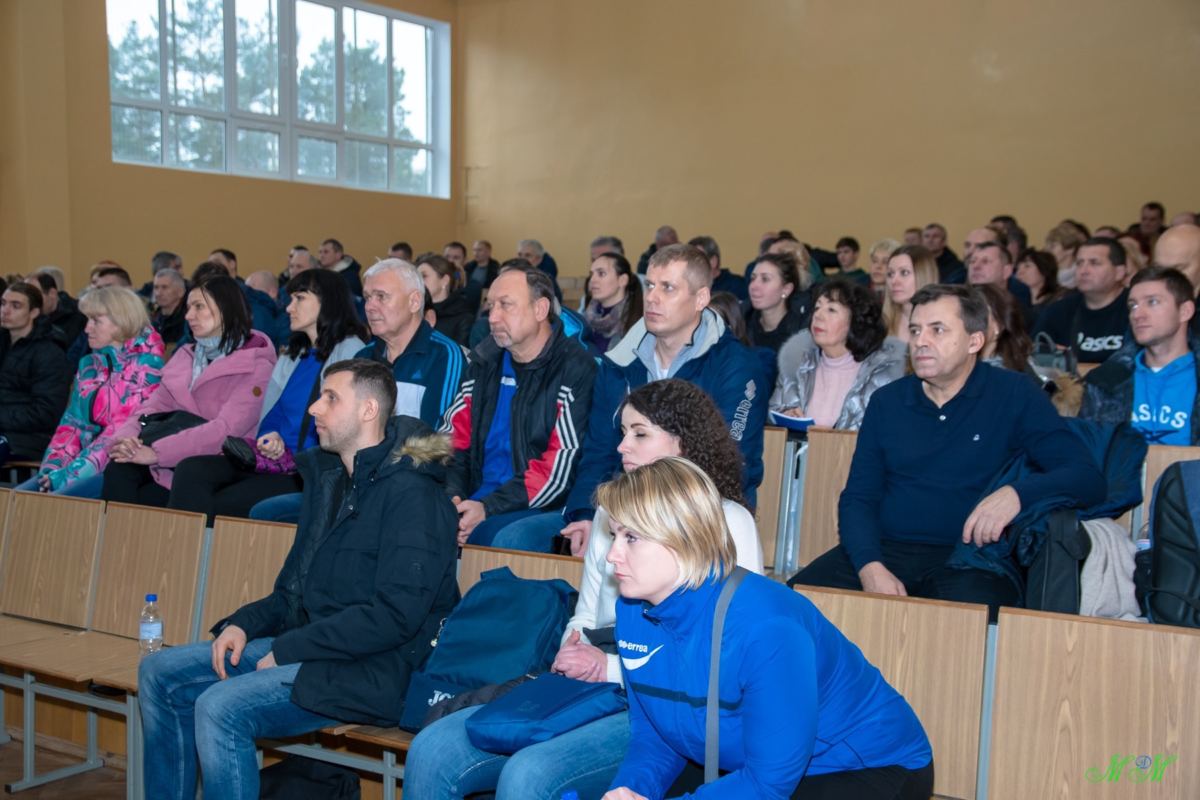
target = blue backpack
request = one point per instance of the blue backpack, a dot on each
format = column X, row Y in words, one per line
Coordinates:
column 1169, row 570
column 504, row 627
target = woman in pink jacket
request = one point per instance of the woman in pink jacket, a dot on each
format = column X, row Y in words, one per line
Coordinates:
column 221, row 379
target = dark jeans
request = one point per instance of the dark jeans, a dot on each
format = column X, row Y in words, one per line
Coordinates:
column 923, row 571
column 215, row 486
column 878, row 783
column 132, row 483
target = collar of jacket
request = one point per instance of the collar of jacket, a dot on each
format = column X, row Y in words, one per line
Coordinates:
column 685, row 608
column 488, row 351
column 707, row 334
column 407, row 443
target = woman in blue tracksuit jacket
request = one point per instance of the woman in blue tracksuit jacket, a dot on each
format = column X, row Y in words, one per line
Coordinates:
column 803, row 713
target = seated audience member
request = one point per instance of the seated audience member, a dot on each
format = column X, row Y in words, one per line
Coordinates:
column 110, row 274
column 722, row 279
column 482, row 269
column 518, row 419
column 265, row 317
column 933, row 239
column 1137, row 254
column 402, row 251
column 879, row 254
column 1179, row 247
column 1038, row 270
column 1152, row 379
column 830, row 371
column 665, row 236
column 612, row 302
column 991, row 265
column 428, row 366
column 325, row 330
column 1006, row 344
column 605, row 244
column 1062, row 242
column 35, row 376
column 265, row 282
column 1150, row 223
column 847, row 251
column 169, row 308
column 455, row 314
column 1093, row 321
column 332, row 256
column 775, row 316
column 220, row 379
column 929, row 445
column 728, row 308
column 679, row 336
column 910, row 269
column 121, row 372
column 163, row 259
column 803, row 713
column 912, row 236
column 59, row 311
column 299, row 260
column 531, row 250
column 1183, row 218
column 368, row 580
column 660, row 419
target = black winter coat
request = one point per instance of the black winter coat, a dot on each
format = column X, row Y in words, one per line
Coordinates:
column 369, row 578
column 455, row 317
column 35, row 380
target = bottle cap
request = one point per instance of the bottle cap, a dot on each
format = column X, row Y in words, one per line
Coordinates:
column 151, row 598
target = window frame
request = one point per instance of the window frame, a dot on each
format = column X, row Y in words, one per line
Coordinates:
column 287, row 124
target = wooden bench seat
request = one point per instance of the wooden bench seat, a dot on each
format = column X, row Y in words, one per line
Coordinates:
column 391, row 738
column 18, row 631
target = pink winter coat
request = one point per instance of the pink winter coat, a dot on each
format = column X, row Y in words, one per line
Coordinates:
column 229, row 393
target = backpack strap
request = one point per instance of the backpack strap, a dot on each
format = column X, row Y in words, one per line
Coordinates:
column 712, row 720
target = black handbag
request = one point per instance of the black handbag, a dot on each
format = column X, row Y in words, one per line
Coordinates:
column 162, row 424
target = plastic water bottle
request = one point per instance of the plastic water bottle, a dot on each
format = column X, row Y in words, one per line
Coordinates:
column 150, row 631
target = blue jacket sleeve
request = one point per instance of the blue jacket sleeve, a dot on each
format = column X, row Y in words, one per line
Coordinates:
column 859, row 526
column 742, row 397
column 650, row 765
column 781, row 672
column 600, row 460
column 1066, row 467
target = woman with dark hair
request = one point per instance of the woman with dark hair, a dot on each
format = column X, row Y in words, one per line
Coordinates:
column 729, row 308
column 1006, row 344
column 218, row 382
column 775, row 316
column 830, row 371
column 454, row 310
column 612, row 302
column 660, row 419
column 1038, row 270
column 325, row 330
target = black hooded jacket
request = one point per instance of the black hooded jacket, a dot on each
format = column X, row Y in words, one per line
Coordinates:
column 369, row 578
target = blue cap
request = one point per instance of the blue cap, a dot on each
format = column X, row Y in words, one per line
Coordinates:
column 151, row 598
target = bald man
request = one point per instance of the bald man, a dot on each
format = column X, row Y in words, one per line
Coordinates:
column 1179, row 247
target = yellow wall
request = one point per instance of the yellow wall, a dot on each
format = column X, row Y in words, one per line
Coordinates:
column 827, row 117
column 63, row 201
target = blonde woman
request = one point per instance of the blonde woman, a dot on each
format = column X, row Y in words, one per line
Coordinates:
column 879, row 255
column 910, row 268
column 803, row 713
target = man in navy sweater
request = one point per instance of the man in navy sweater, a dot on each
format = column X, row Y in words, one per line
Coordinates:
column 929, row 445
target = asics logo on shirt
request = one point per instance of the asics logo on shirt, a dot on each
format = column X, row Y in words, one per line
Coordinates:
column 637, row 663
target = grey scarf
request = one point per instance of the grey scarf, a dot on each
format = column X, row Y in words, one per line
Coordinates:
column 207, row 351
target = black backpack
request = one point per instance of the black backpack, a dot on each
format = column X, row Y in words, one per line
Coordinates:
column 1168, row 572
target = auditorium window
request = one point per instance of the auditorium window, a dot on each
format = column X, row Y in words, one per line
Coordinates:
column 344, row 93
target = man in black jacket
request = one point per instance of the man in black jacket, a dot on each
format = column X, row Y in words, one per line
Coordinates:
column 359, row 599
column 521, row 414
column 35, row 376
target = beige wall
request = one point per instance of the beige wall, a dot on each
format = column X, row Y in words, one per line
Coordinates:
column 827, row 117
column 63, row 201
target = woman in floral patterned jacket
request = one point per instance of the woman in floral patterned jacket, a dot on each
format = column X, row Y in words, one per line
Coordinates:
column 120, row 373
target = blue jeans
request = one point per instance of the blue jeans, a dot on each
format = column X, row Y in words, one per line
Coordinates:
column 281, row 508
column 187, row 710
column 442, row 763
column 519, row 530
column 85, row 487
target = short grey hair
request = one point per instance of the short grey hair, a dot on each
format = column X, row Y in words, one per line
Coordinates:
column 172, row 275
column 406, row 272
column 164, row 259
column 611, row 244
column 532, row 244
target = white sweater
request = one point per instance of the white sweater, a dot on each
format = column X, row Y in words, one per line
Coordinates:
column 598, row 593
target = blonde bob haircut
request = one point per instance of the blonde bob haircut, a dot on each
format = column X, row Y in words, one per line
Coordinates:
column 119, row 304
column 672, row 502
